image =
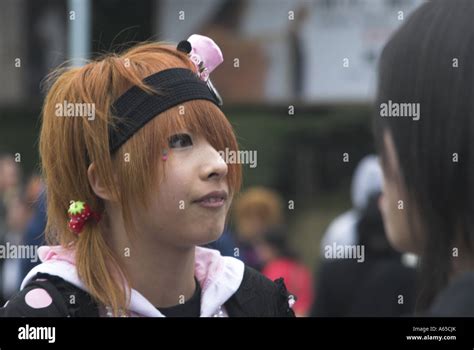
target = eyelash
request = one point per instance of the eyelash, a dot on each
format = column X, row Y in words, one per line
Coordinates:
column 183, row 138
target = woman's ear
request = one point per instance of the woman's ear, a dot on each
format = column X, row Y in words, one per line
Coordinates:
column 97, row 186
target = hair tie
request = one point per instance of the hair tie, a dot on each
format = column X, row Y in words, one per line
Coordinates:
column 79, row 214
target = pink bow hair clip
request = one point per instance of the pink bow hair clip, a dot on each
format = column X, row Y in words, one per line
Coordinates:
column 205, row 55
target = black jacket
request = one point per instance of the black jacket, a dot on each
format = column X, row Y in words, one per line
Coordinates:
column 346, row 288
column 257, row 296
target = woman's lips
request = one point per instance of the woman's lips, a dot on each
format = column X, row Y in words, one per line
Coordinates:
column 212, row 202
column 215, row 199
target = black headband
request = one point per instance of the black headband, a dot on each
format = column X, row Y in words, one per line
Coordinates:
column 136, row 107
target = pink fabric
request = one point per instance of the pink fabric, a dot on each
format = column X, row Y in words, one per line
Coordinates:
column 206, row 49
column 206, row 266
column 38, row 298
column 57, row 252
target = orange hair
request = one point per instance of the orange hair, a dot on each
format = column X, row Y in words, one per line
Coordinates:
column 262, row 203
column 69, row 145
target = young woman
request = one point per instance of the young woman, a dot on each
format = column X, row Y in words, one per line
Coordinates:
column 428, row 151
column 135, row 187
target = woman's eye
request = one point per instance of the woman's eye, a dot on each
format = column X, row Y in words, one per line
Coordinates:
column 180, row 140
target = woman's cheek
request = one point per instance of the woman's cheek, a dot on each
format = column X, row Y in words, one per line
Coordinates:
column 395, row 219
column 388, row 212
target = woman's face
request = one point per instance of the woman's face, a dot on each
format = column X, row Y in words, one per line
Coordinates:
column 178, row 211
column 393, row 202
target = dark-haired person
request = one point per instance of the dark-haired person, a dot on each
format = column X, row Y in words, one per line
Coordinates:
column 424, row 126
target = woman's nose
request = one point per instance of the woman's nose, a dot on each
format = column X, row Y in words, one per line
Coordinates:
column 214, row 165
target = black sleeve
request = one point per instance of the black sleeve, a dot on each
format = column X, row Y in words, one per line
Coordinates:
column 258, row 296
column 18, row 306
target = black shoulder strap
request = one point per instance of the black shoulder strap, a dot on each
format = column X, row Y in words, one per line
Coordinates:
column 258, row 296
column 74, row 301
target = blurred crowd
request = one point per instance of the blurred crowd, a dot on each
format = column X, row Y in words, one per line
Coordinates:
column 22, row 222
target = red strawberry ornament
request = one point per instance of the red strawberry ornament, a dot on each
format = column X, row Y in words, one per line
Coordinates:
column 79, row 213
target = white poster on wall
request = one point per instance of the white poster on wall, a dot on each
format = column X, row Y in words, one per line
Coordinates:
column 339, row 41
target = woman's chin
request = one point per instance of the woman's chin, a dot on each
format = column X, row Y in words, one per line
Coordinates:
column 209, row 235
column 212, row 237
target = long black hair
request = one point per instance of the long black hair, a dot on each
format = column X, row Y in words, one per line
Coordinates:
column 430, row 61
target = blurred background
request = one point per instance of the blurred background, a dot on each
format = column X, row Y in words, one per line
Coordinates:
column 298, row 81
